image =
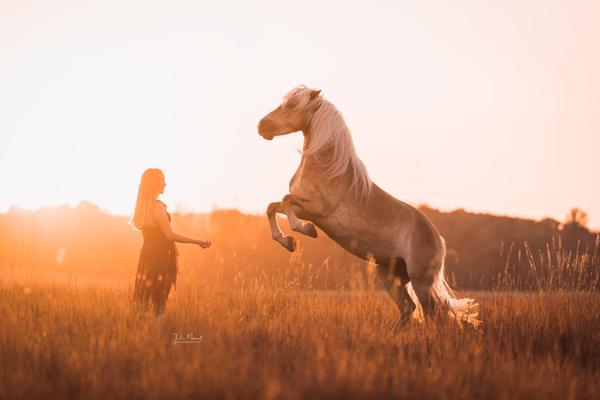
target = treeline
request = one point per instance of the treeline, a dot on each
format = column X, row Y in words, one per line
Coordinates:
column 484, row 251
column 487, row 251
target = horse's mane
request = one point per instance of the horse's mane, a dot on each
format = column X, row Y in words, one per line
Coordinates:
column 328, row 130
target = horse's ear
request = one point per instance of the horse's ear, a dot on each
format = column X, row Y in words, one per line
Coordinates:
column 314, row 94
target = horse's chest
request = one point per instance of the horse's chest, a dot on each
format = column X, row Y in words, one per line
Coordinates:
column 305, row 189
column 295, row 184
column 296, row 181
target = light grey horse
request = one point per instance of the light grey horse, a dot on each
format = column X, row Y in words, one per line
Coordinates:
column 332, row 190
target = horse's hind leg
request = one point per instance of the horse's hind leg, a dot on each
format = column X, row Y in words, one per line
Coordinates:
column 422, row 276
column 395, row 279
column 422, row 283
column 424, row 293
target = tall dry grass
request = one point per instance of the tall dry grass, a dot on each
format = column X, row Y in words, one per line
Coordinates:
column 551, row 269
column 266, row 338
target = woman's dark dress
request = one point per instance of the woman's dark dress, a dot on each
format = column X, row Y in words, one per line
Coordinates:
column 157, row 269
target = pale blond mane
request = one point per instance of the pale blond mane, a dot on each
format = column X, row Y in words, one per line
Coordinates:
column 329, row 130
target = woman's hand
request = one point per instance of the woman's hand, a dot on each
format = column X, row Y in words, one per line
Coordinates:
column 203, row 243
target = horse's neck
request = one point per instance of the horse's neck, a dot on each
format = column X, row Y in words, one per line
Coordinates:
column 313, row 163
column 312, row 170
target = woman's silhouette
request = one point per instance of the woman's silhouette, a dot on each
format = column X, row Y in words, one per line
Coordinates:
column 157, row 266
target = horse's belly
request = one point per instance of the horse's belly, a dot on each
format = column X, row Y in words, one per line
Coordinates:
column 366, row 242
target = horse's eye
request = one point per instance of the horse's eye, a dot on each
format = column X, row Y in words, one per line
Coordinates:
column 291, row 103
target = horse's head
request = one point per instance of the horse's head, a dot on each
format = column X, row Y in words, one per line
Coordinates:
column 292, row 115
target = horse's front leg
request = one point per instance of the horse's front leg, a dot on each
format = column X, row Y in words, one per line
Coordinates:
column 286, row 241
column 290, row 206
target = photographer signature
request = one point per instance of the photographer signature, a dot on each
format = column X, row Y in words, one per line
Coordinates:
column 189, row 338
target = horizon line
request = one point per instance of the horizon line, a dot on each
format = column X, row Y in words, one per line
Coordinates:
column 182, row 210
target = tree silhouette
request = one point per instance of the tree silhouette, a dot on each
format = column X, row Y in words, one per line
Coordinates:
column 577, row 217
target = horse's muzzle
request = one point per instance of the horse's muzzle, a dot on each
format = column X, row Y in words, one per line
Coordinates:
column 262, row 125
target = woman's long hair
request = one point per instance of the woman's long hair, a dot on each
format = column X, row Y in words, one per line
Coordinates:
column 150, row 187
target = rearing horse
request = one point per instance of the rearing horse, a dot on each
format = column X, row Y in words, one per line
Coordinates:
column 332, row 190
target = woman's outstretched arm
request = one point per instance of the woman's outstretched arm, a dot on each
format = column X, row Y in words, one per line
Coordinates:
column 163, row 223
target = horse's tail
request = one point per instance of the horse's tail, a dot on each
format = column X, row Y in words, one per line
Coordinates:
column 462, row 310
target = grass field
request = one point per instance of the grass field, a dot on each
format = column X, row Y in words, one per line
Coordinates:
column 71, row 340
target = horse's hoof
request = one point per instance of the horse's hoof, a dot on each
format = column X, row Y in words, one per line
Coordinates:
column 289, row 243
column 311, row 230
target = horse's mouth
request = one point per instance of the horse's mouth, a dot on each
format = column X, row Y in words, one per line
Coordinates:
column 266, row 136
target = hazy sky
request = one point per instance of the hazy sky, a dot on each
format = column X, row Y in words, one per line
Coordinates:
column 490, row 106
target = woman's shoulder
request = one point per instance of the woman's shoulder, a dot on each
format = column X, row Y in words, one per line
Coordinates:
column 160, row 205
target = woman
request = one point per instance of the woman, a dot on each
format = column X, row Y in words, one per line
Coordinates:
column 157, row 266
